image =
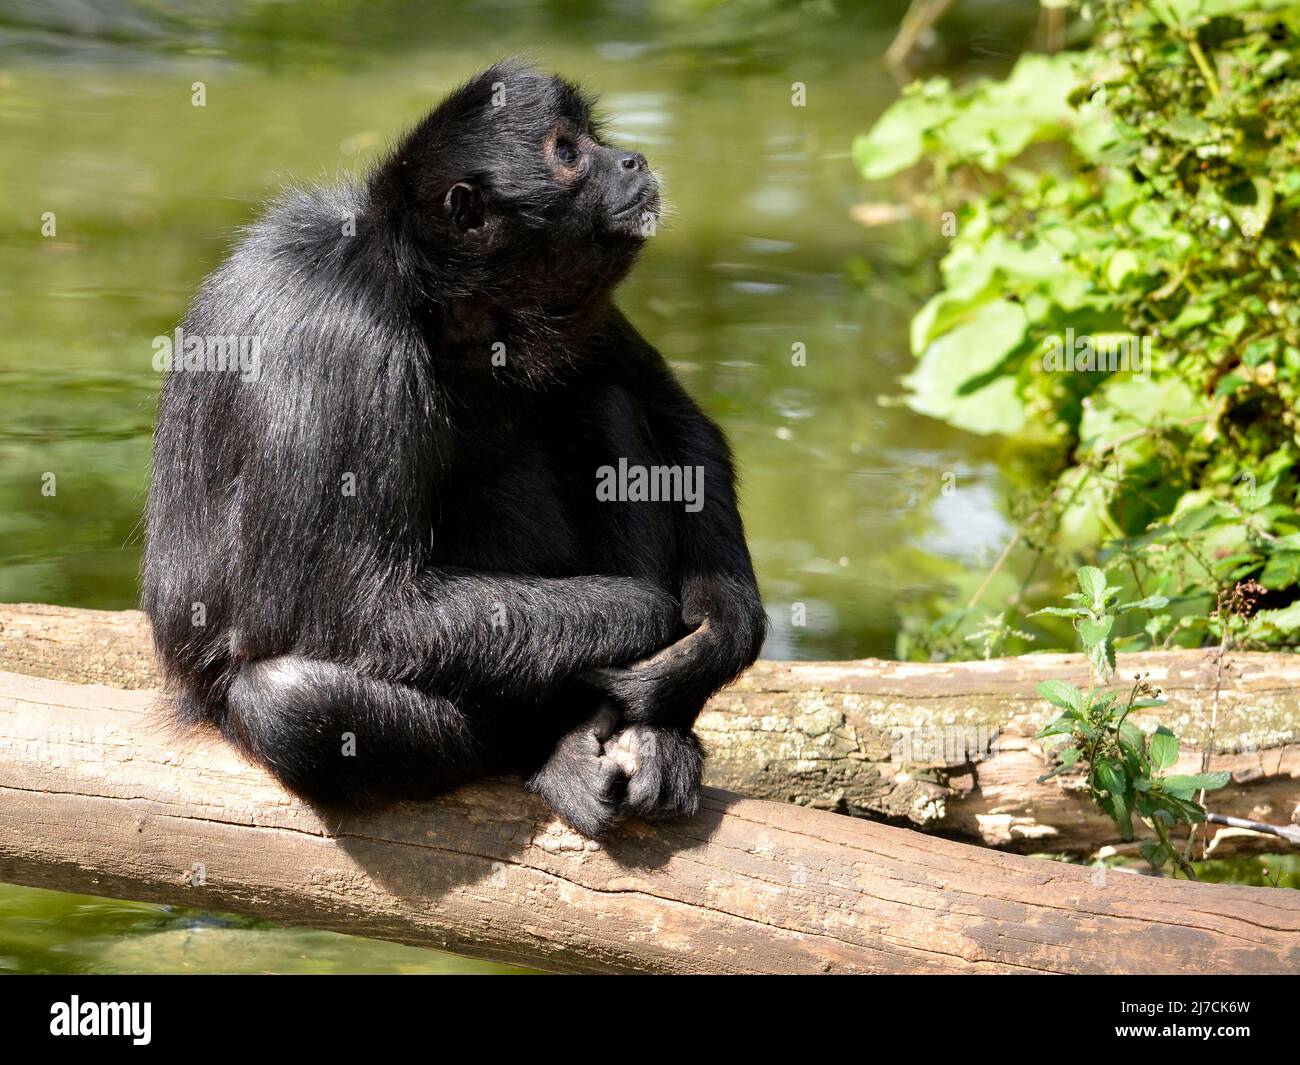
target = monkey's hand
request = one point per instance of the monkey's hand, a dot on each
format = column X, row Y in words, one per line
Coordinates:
column 670, row 687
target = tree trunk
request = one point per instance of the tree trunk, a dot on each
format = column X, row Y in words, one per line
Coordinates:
column 97, row 794
column 941, row 747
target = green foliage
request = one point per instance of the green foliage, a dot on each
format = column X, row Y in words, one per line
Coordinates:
column 993, row 632
column 1123, row 766
column 1093, row 611
column 1120, row 296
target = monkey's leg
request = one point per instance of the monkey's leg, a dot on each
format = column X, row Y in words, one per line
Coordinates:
column 338, row 736
column 342, row 738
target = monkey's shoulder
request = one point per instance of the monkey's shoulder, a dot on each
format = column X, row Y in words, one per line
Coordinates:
column 307, row 280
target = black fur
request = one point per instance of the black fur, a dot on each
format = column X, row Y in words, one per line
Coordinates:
column 472, row 608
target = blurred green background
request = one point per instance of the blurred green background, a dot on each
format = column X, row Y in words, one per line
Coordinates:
column 840, row 491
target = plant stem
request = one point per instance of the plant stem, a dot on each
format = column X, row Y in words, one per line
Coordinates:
column 1224, row 637
column 1207, row 72
column 1171, row 850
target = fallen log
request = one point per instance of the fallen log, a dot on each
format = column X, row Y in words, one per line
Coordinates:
column 98, row 795
column 944, row 747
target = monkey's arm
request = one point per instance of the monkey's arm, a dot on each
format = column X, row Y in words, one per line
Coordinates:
column 519, row 636
column 720, row 602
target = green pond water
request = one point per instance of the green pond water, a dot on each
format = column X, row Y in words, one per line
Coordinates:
column 760, row 254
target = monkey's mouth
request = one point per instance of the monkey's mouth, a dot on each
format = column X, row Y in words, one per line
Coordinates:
column 644, row 204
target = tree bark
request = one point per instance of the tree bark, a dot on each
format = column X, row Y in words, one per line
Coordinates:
column 99, row 795
column 944, row 747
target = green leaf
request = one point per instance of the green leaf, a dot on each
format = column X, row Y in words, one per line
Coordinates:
column 1092, row 583
column 1112, row 777
column 1061, row 612
column 1172, row 808
column 1164, row 748
column 1250, row 204
column 1094, row 632
column 1118, row 810
column 966, row 356
column 1229, row 384
column 1187, row 127
column 898, row 139
column 1184, row 787
column 1104, row 707
column 1122, row 265
column 1151, row 602
column 1064, row 725
column 1155, row 853
column 1069, row 757
column 1190, row 13
column 1130, row 404
column 1133, row 739
column 1282, row 570
column 1059, row 693
column 1102, row 658
column 1282, row 624
column 1002, row 118
column 1195, row 519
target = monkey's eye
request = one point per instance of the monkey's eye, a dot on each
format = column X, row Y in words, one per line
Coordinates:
column 566, row 152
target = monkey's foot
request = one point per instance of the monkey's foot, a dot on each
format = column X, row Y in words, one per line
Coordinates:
column 580, row 783
column 663, row 768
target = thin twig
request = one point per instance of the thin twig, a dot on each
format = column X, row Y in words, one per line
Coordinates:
column 1289, row 833
column 921, row 15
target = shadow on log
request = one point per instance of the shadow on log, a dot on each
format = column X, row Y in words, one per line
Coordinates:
column 943, row 747
column 96, row 795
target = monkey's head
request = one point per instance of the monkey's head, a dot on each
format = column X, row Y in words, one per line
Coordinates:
column 508, row 186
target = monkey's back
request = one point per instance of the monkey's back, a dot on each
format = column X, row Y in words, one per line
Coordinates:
column 281, row 505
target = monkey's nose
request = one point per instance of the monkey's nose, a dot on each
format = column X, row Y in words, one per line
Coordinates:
column 635, row 161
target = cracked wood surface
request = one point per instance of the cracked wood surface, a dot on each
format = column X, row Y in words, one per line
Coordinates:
column 99, row 795
column 899, row 740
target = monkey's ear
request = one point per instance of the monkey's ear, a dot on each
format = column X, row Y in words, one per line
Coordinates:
column 464, row 206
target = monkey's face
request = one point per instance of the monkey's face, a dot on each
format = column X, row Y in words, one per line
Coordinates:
column 612, row 192
column 510, row 181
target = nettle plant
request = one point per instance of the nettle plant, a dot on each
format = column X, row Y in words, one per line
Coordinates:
column 1123, row 766
column 1120, row 298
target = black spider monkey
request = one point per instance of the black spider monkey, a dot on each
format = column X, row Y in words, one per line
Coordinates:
column 378, row 564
